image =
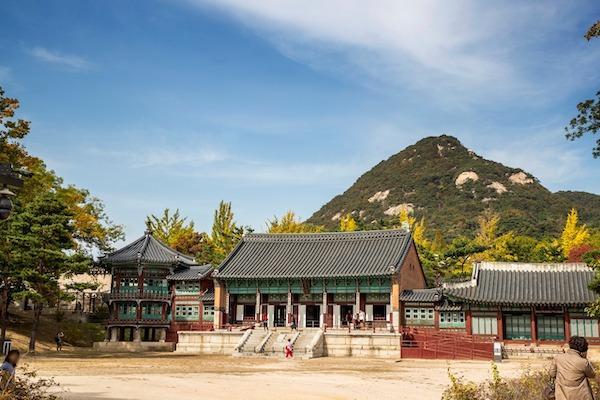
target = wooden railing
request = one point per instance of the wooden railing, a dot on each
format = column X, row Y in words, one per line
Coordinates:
column 140, row 296
column 431, row 344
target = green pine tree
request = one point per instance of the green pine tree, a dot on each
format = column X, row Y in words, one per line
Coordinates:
column 43, row 251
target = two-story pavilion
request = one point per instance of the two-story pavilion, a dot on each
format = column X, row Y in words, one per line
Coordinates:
column 317, row 278
column 513, row 302
column 140, row 300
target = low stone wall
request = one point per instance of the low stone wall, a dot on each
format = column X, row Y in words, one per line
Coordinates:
column 208, row 342
column 377, row 345
column 133, row 347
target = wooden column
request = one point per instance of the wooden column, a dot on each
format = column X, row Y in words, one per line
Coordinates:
column 220, row 311
column 567, row 324
column 533, row 326
column 469, row 322
column 395, row 303
column 324, row 311
column 288, row 308
column 257, row 309
column 141, row 282
column 500, row 324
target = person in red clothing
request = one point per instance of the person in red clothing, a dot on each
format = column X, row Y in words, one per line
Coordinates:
column 289, row 349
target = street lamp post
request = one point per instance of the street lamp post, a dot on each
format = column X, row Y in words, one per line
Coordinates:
column 9, row 179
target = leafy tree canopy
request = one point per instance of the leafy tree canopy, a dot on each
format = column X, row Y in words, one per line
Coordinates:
column 290, row 223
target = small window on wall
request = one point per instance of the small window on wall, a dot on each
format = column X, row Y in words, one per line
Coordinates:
column 517, row 326
column 452, row 319
column 584, row 327
column 485, row 325
column 187, row 312
column 208, row 313
column 419, row 315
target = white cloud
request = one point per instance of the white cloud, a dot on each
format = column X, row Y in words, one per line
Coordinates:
column 462, row 50
column 66, row 60
column 205, row 162
column 166, row 156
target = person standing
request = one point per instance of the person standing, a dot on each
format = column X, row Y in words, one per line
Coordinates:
column 289, row 349
column 8, row 369
column 59, row 340
column 361, row 318
column 265, row 323
column 294, row 325
column 571, row 371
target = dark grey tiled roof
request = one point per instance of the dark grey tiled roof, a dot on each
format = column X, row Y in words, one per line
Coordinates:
column 420, row 296
column 146, row 250
column 525, row 284
column 208, row 296
column 335, row 254
column 194, row 272
column 429, row 296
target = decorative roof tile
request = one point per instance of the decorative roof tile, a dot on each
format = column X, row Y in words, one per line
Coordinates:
column 147, row 250
column 420, row 296
column 192, row 273
column 312, row 255
column 525, row 284
column 209, row 295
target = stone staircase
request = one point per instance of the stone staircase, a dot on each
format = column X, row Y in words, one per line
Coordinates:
column 250, row 343
column 307, row 343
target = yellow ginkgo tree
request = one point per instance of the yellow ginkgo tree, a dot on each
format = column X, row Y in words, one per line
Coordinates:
column 348, row 223
column 573, row 234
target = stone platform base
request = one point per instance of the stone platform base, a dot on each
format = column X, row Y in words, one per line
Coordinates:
column 208, row 342
column 372, row 345
column 133, row 347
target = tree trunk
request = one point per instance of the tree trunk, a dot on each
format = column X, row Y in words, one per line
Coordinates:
column 37, row 312
column 3, row 313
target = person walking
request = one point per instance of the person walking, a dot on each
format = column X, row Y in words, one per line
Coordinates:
column 8, row 369
column 59, row 340
column 289, row 349
column 265, row 323
column 571, row 371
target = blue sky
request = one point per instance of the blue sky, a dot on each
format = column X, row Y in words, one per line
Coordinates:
column 278, row 105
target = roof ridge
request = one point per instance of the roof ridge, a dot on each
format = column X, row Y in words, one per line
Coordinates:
column 529, row 266
column 326, row 235
column 170, row 249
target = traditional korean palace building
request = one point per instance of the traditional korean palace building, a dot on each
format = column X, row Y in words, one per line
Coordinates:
column 316, row 279
column 160, row 297
column 156, row 291
column 520, row 302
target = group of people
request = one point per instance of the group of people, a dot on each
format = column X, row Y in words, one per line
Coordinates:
column 357, row 320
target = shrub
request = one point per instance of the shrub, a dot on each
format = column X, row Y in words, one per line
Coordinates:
column 28, row 386
column 528, row 385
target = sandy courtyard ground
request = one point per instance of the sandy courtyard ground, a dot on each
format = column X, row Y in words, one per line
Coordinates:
column 167, row 376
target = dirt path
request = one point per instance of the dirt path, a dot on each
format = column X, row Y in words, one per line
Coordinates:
column 160, row 376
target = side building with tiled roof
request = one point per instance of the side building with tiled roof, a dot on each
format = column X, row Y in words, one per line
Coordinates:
column 522, row 302
column 193, row 297
column 155, row 291
column 317, row 279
